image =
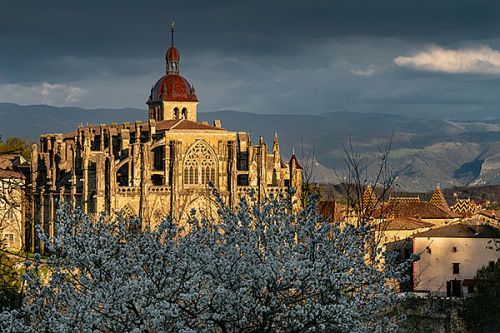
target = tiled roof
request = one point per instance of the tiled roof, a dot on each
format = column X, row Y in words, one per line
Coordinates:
column 70, row 135
column 331, row 209
column 404, row 199
column 438, row 198
column 416, row 210
column 487, row 213
column 404, row 223
column 172, row 87
column 165, row 125
column 464, row 206
column 369, row 197
column 462, row 230
column 8, row 163
column 185, row 124
column 6, row 160
column 10, row 174
column 162, row 125
column 172, row 54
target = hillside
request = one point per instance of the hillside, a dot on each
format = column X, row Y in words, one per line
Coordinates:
column 425, row 151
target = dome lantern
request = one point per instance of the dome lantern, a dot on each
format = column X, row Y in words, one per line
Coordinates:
column 172, row 56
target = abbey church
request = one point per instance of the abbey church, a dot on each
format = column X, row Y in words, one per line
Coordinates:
column 154, row 168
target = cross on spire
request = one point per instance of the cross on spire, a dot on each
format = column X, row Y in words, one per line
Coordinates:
column 172, row 30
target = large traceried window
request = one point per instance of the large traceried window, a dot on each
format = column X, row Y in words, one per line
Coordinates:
column 199, row 165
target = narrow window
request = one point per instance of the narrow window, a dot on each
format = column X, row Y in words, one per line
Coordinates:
column 191, row 175
column 122, row 175
column 242, row 180
column 456, row 268
column 159, row 158
column 202, row 175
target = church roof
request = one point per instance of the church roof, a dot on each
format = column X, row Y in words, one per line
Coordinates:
column 162, row 125
column 184, row 124
column 172, row 87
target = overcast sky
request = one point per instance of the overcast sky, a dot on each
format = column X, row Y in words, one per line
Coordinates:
column 258, row 56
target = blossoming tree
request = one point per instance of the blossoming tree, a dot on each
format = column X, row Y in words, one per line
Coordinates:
column 258, row 268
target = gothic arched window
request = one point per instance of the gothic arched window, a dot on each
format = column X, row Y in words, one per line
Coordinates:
column 200, row 164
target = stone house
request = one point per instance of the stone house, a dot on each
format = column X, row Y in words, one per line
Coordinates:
column 450, row 256
column 12, row 201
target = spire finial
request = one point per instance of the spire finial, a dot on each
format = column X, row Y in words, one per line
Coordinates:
column 172, row 30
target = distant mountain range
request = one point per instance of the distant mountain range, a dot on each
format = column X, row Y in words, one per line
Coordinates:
column 425, row 151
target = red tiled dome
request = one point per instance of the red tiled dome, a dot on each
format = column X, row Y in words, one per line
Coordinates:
column 173, row 54
column 173, row 87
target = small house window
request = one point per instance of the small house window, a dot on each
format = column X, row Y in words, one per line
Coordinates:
column 184, row 113
column 456, row 268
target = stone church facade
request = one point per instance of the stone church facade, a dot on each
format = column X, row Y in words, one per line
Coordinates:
column 155, row 168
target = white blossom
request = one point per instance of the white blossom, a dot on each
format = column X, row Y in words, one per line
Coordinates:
column 255, row 268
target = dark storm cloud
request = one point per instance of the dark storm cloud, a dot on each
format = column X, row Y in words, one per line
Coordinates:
column 262, row 56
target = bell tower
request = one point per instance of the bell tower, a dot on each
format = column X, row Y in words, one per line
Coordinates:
column 172, row 97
